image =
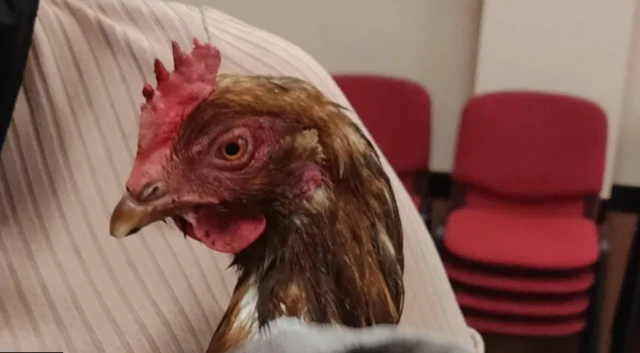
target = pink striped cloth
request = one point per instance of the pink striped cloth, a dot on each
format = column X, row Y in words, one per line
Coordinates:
column 65, row 285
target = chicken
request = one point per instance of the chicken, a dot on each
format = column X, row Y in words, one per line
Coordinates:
column 271, row 171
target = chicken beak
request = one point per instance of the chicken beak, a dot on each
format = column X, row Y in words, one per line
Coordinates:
column 129, row 217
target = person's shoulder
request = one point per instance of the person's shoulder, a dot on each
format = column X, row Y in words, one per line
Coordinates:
column 249, row 49
column 245, row 48
column 245, row 44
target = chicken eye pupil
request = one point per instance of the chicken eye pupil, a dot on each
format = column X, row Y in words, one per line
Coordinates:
column 232, row 149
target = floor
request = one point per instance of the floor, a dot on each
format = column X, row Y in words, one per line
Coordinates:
column 619, row 229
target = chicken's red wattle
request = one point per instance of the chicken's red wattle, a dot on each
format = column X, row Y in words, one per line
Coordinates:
column 227, row 232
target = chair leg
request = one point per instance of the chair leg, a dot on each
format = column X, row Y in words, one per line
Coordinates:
column 425, row 211
column 421, row 183
column 591, row 334
column 438, row 238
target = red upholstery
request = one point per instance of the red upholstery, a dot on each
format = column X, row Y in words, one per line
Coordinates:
column 530, row 308
column 520, row 240
column 531, row 145
column 488, row 324
column 576, row 283
column 526, row 162
column 397, row 113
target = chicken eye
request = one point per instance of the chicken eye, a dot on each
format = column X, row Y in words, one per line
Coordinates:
column 233, row 150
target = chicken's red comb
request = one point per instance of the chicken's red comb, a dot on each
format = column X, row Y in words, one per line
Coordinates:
column 176, row 93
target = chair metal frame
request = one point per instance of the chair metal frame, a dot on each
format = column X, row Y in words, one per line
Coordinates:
column 422, row 189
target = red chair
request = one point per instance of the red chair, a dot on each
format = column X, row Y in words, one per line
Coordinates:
column 397, row 114
column 521, row 243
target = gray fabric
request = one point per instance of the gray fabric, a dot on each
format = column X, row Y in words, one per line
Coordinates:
column 294, row 336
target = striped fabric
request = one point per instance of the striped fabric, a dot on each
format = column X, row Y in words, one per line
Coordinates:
column 64, row 283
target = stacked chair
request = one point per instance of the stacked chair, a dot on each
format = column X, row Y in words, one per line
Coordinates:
column 397, row 113
column 521, row 244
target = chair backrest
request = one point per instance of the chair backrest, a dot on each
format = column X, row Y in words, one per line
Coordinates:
column 531, row 147
column 397, row 114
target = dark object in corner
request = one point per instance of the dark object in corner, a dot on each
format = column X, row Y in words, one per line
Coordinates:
column 439, row 185
column 17, row 18
column 625, row 199
column 625, row 321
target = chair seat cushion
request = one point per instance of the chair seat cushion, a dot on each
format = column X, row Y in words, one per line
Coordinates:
column 526, row 241
column 531, row 328
column 529, row 306
column 575, row 282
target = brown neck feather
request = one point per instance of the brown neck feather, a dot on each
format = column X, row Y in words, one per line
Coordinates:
column 337, row 258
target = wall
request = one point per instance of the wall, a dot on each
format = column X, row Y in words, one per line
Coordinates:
column 627, row 169
column 431, row 41
column 577, row 47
